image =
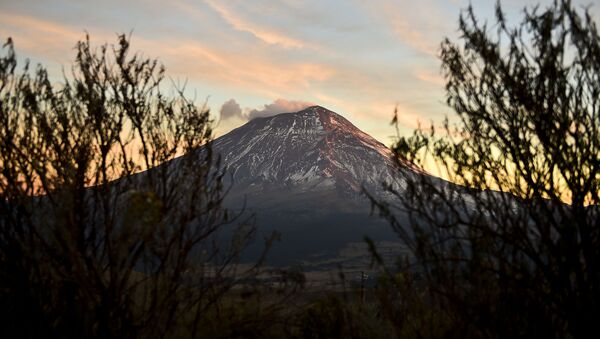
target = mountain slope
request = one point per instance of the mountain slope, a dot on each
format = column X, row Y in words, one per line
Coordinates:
column 302, row 174
column 311, row 151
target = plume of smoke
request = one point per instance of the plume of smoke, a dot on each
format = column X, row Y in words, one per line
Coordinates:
column 231, row 109
column 278, row 106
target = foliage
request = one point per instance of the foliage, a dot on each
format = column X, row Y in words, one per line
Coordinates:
column 106, row 230
column 510, row 247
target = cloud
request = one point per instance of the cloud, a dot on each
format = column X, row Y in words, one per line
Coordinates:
column 231, row 109
column 266, row 35
column 42, row 38
column 433, row 78
column 263, row 74
column 243, row 68
column 420, row 25
column 278, row 106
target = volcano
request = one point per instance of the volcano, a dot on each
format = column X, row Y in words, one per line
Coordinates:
column 311, row 151
column 304, row 175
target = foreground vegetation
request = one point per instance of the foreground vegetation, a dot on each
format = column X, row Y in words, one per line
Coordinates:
column 515, row 252
column 104, row 232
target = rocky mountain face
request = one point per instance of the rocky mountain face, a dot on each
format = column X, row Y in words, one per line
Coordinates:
column 303, row 175
column 311, row 151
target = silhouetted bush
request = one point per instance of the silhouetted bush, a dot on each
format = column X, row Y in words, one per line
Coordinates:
column 512, row 250
column 111, row 216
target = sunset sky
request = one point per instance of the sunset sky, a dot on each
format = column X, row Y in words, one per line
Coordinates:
column 358, row 58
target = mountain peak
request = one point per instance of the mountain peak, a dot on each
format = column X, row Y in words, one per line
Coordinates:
column 312, row 149
column 315, row 110
column 315, row 117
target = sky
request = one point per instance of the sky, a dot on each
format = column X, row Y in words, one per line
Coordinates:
column 252, row 58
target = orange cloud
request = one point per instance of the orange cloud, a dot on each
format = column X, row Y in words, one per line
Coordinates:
column 187, row 58
column 430, row 77
column 39, row 37
column 33, row 24
column 251, row 72
column 407, row 21
column 264, row 34
column 412, row 37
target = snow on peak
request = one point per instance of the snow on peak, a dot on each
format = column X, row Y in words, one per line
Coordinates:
column 313, row 149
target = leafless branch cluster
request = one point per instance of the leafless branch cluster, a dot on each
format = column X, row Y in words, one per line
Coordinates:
column 510, row 246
